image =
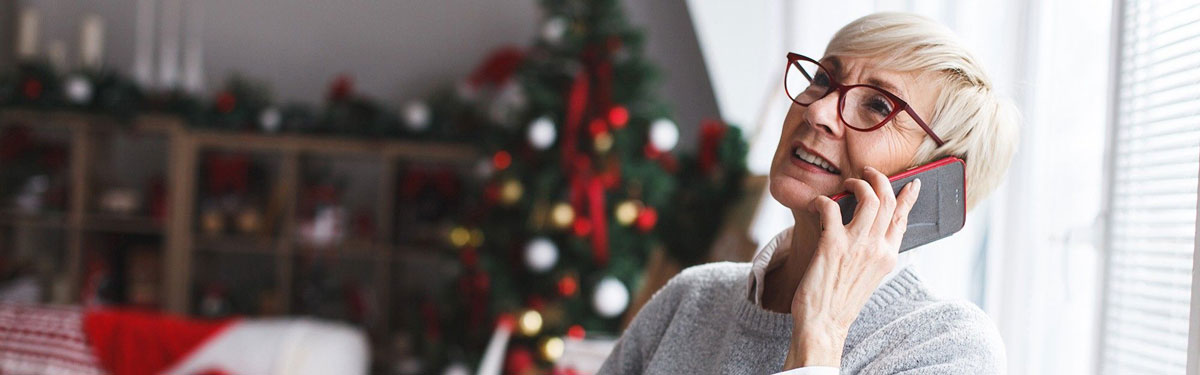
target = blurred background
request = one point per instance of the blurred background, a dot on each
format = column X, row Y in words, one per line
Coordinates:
column 470, row 186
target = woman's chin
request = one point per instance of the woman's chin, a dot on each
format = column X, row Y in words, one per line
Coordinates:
column 792, row 193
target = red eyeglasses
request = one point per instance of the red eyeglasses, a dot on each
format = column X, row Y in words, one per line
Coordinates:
column 870, row 107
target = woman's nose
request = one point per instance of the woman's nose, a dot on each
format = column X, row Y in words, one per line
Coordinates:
column 823, row 115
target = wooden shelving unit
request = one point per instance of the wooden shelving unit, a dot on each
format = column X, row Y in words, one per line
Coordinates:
column 181, row 242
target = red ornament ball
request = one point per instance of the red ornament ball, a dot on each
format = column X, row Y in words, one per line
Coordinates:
column 646, row 219
column 567, row 286
column 501, row 160
column 576, row 332
column 519, row 360
column 226, row 102
column 597, row 127
column 618, row 116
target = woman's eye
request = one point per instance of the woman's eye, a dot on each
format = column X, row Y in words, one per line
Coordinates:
column 821, row 79
column 880, row 106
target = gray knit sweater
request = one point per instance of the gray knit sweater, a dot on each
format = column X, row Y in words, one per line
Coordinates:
column 701, row 322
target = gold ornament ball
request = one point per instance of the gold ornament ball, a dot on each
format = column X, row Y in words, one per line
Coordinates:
column 212, row 222
column 530, row 323
column 511, row 191
column 552, row 348
column 460, row 236
column 249, row 221
column 603, row 142
column 562, row 215
column 627, row 212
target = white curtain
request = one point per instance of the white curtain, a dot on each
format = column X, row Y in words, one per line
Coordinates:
column 1027, row 255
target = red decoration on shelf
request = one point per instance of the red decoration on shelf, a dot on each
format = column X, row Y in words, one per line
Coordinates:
column 567, row 286
column 498, row 67
column 14, row 141
column 227, row 173
column 32, row 89
column 618, row 116
column 226, row 102
column 341, row 88
column 501, row 160
column 646, row 219
column 576, row 332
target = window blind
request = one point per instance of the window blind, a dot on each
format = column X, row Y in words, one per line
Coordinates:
column 1152, row 198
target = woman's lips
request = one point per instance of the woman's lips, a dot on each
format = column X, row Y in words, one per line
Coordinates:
column 809, row 166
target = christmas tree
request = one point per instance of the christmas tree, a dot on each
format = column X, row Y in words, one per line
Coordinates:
column 579, row 187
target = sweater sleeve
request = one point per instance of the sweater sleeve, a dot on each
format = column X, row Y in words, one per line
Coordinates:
column 950, row 338
column 640, row 340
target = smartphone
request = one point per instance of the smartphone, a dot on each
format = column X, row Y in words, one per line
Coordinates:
column 941, row 207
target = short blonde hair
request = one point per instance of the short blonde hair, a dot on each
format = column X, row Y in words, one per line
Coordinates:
column 977, row 125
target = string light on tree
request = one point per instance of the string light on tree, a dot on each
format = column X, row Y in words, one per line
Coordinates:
column 552, row 348
column 627, row 212
column 541, row 133
column 530, row 323
column 610, row 298
column 562, row 215
column 541, row 254
column 460, row 236
column 603, row 142
column 664, row 135
column 511, row 191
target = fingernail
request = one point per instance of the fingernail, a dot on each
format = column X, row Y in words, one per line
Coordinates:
column 917, row 185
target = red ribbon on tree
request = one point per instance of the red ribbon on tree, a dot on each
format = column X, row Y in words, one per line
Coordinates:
column 710, row 137
column 585, row 184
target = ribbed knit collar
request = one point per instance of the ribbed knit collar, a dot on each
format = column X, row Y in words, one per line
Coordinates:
column 905, row 285
column 899, row 283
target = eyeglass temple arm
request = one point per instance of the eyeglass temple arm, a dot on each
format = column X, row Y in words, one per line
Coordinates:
column 921, row 122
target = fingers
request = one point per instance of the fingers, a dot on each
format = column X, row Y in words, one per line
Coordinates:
column 905, row 201
column 831, row 214
column 868, row 206
column 887, row 200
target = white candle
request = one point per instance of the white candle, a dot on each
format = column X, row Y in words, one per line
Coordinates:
column 27, row 34
column 168, row 43
column 91, row 41
column 143, row 44
column 193, row 51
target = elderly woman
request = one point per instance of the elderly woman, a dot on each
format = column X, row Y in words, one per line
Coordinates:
column 892, row 92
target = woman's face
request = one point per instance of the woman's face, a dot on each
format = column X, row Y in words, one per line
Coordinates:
column 816, row 131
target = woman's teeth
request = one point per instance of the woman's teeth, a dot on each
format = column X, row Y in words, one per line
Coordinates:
column 815, row 160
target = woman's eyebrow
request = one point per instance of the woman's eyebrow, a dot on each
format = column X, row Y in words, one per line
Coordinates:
column 883, row 85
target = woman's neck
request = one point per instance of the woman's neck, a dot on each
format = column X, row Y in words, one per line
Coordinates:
column 780, row 283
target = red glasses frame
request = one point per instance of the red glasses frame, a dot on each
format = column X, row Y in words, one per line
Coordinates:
column 898, row 105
